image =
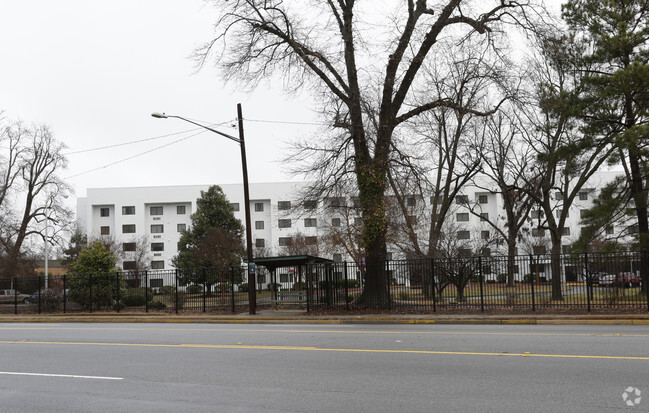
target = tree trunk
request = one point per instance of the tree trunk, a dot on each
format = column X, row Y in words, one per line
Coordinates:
column 555, row 265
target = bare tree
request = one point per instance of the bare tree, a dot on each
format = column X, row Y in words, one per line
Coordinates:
column 31, row 192
column 329, row 46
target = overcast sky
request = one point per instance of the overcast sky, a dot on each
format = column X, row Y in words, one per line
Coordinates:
column 93, row 71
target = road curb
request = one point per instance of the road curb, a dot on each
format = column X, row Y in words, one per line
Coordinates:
column 526, row 320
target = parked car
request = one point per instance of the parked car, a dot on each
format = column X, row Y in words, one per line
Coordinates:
column 627, row 280
column 9, row 297
column 607, row 280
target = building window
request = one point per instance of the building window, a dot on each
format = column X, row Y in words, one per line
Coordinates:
column 157, row 246
column 128, row 229
column 310, row 222
column 462, row 217
column 538, row 232
column 104, row 212
column 483, row 199
column 338, row 257
column 566, row 232
column 104, row 230
column 388, row 256
column 259, row 207
column 128, row 210
column 565, row 249
column 464, row 252
column 411, row 201
column 537, row 214
column 358, row 222
column 335, row 222
column 486, row 252
column 462, row 199
column 235, row 206
column 411, row 220
column 128, row 265
column 484, row 216
column 583, row 196
column 539, row 249
column 283, row 205
column 156, row 282
column 260, row 243
column 157, row 229
column 609, row 230
column 285, row 241
column 157, row 265
column 128, row 246
column 156, row 210
column 181, row 227
column 484, row 235
column 582, row 213
column 558, row 196
column 463, row 235
column 337, row 202
column 283, row 278
column 284, row 223
column 259, row 224
column 436, row 200
column 560, row 211
column 180, row 209
column 310, row 204
column 311, row 240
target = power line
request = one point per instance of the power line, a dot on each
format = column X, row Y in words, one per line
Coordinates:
column 140, row 140
column 284, row 122
column 137, row 155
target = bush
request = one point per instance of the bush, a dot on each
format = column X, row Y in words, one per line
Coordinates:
column 298, row 286
column 96, row 290
column 167, row 289
column 135, row 297
column 243, row 287
column 273, row 286
column 157, row 305
column 501, row 278
column 529, row 278
column 227, row 287
column 195, row 289
column 51, row 300
column 404, row 295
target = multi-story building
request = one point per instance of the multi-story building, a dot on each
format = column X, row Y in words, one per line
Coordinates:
column 159, row 214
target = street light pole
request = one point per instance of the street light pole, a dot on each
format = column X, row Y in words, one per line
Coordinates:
column 252, row 291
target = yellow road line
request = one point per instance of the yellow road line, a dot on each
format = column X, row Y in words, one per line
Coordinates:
column 294, row 331
column 340, row 350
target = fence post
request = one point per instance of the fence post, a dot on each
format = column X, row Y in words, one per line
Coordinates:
column 644, row 274
column 176, row 292
column 387, row 277
column 532, row 282
column 90, row 290
column 589, row 281
column 146, row 291
column 308, row 293
column 346, row 286
column 39, row 293
column 65, row 292
column 117, row 287
column 432, row 282
column 15, row 295
column 232, row 288
column 481, row 283
column 204, row 288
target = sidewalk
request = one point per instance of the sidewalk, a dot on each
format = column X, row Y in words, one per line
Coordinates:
column 269, row 316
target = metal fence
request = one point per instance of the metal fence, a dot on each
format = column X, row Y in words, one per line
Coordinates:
column 528, row 283
column 144, row 291
column 568, row 281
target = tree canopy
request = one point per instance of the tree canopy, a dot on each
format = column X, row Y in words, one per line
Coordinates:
column 215, row 238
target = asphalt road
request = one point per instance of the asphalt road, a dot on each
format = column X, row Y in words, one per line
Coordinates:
column 322, row 368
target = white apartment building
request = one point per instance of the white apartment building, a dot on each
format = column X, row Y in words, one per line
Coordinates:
column 159, row 214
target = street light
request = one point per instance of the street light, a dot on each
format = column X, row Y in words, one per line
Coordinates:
column 252, row 297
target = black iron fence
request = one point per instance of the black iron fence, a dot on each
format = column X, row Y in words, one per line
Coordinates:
column 146, row 291
column 580, row 281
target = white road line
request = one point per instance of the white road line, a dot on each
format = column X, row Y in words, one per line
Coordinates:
column 15, row 373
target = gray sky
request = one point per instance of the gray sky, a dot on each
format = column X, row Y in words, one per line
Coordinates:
column 95, row 70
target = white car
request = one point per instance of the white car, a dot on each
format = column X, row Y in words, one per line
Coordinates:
column 607, row 280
